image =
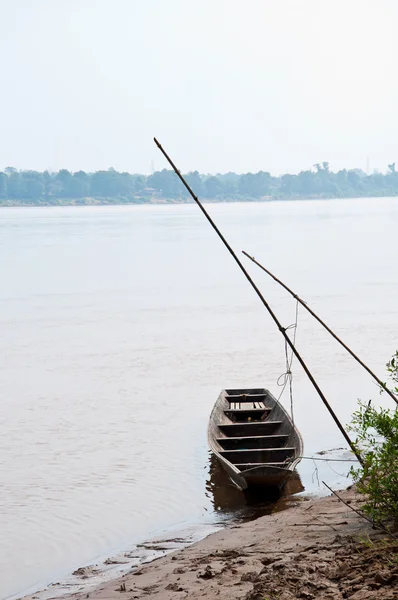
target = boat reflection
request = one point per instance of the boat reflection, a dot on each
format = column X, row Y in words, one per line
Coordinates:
column 226, row 498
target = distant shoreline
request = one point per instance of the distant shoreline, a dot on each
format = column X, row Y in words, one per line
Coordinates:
column 60, row 202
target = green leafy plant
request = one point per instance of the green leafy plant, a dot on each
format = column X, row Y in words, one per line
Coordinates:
column 377, row 441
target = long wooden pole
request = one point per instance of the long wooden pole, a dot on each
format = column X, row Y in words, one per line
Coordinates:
column 259, row 294
column 381, row 384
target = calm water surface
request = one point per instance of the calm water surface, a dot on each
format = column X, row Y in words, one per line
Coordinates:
column 119, row 327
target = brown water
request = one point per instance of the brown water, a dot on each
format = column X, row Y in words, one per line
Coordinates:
column 119, row 327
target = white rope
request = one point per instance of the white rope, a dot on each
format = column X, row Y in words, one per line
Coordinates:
column 287, row 376
column 328, row 459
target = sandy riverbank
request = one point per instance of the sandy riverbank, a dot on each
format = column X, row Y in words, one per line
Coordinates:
column 314, row 550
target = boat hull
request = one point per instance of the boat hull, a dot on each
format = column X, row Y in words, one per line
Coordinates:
column 254, row 439
column 258, row 477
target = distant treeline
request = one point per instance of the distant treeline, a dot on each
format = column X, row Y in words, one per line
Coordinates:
column 33, row 187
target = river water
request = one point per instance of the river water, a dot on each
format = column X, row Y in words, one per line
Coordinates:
column 120, row 326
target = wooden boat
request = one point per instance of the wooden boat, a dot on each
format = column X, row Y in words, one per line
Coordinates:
column 254, row 438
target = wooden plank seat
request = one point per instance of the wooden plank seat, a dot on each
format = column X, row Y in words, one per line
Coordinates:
column 250, row 397
column 250, row 428
column 263, row 455
column 253, row 442
column 247, row 414
column 239, row 391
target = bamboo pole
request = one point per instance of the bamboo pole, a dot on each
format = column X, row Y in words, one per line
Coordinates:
column 266, row 305
column 381, row 384
column 361, row 514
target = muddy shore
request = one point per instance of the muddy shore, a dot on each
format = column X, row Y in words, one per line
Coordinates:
column 319, row 549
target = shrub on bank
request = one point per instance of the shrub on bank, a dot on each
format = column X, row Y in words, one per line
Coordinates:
column 377, row 441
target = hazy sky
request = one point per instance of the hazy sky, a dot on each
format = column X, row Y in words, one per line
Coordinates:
column 226, row 85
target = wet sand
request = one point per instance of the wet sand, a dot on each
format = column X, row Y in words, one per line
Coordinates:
column 313, row 550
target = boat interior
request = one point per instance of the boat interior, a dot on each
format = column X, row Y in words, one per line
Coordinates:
column 253, row 430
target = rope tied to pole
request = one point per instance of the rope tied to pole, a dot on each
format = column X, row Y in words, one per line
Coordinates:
column 339, row 340
column 287, row 377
